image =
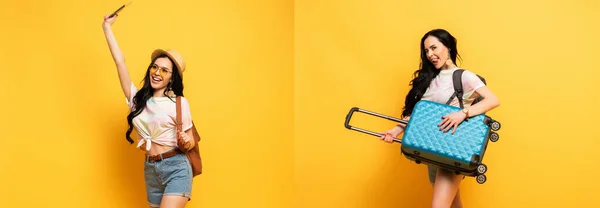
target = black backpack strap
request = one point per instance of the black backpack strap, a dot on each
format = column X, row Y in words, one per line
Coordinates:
column 458, row 89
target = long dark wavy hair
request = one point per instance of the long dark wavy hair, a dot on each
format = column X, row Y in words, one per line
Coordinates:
column 427, row 71
column 142, row 96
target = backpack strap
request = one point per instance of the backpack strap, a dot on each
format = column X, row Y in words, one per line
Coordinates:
column 458, row 89
column 178, row 123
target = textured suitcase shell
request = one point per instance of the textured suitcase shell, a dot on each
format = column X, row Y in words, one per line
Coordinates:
column 424, row 142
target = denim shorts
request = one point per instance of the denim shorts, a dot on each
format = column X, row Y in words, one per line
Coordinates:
column 432, row 171
column 170, row 176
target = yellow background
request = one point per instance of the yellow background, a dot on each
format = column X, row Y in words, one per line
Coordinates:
column 539, row 57
column 270, row 82
column 64, row 114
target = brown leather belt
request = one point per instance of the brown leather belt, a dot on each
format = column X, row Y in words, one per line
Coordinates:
column 164, row 155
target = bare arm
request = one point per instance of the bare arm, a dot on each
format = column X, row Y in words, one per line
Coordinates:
column 406, row 118
column 489, row 102
column 389, row 135
column 117, row 55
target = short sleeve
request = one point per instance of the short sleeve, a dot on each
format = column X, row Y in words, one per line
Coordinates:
column 132, row 91
column 471, row 83
column 186, row 115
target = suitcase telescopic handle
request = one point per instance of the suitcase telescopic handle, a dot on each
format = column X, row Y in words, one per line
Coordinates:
column 355, row 109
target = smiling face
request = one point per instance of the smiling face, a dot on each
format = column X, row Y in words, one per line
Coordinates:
column 436, row 52
column 160, row 73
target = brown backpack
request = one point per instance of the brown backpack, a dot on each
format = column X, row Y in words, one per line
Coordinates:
column 193, row 155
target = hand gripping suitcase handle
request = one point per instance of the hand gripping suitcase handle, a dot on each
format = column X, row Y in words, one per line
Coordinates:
column 355, row 109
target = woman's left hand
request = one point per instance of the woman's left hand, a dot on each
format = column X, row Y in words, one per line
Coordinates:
column 185, row 140
column 452, row 120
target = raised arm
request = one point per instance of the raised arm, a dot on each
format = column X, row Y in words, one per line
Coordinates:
column 117, row 55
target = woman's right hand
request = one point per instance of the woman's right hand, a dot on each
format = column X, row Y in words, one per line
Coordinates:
column 109, row 20
column 389, row 135
column 117, row 54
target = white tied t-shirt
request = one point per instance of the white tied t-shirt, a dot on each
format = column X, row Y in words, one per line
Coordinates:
column 157, row 122
column 441, row 87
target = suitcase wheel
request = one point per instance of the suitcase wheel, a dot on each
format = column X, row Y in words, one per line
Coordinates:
column 495, row 125
column 494, row 136
column 481, row 169
column 481, row 179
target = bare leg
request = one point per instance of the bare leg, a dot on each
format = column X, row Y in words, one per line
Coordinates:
column 445, row 189
column 169, row 201
column 456, row 202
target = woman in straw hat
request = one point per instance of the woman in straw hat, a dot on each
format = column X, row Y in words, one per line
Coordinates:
column 167, row 171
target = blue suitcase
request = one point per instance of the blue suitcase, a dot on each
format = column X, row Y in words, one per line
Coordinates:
column 423, row 142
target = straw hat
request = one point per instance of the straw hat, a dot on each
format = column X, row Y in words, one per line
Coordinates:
column 174, row 55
